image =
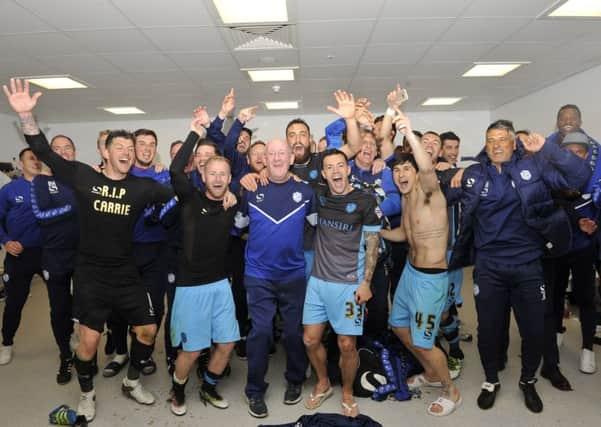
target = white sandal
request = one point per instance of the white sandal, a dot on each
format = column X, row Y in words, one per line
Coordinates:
column 447, row 405
column 420, row 380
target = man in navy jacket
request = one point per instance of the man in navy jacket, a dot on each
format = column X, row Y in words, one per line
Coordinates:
column 509, row 217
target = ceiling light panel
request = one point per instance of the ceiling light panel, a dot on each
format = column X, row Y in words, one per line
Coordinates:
column 271, row 75
column 578, row 8
column 282, row 105
column 56, row 82
column 255, row 11
column 492, row 69
column 440, row 101
column 123, row 110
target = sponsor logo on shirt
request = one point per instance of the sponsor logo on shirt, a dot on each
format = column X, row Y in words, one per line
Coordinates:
column 297, row 196
column 351, row 207
column 313, row 174
column 259, row 197
column 52, row 187
column 470, row 182
column 484, row 192
column 19, row 199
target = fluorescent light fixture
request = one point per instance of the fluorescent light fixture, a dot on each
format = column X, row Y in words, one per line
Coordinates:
column 282, row 105
column 441, row 101
column 255, row 11
column 578, row 8
column 56, row 82
column 492, row 69
column 123, row 110
column 271, row 75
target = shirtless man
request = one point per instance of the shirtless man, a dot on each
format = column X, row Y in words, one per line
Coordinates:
column 423, row 288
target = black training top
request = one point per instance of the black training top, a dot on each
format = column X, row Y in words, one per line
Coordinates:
column 108, row 209
column 206, row 226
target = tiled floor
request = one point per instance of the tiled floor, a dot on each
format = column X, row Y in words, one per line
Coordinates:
column 28, row 390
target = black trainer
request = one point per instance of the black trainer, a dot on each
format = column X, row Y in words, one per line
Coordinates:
column 208, row 393
column 554, row 375
column 256, row 406
column 64, row 374
column 148, row 366
column 488, row 394
column 293, row 394
column 531, row 397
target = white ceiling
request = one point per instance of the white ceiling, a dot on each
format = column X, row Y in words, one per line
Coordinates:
column 166, row 57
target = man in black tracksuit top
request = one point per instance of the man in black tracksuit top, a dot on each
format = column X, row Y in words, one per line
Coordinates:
column 54, row 207
column 203, row 309
column 105, row 277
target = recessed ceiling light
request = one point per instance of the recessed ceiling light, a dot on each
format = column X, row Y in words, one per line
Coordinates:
column 575, row 8
column 271, row 75
column 123, row 110
column 492, row 69
column 255, row 11
column 56, row 82
column 282, row 105
column 441, row 101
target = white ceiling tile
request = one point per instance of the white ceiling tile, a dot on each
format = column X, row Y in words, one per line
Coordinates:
column 199, row 39
column 319, row 10
column 14, row 19
column 186, row 60
column 555, row 30
column 409, row 30
column 224, row 74
column 38, row 44
column 24, row 66
column 423, row 8
column 267, row 58
column 158, row 78
column 74, row 64
column 321, row 86
column 483, row 29
column 165, row 13
column 324, row 34
column 520, row 51
column 379, row 70
column 530, row 8
column 397, row 53
column 457, row 51
column 439, row 69
column 112, row 41
column 140, row 61
column 326, row 56
column 77, row 14
column 575, row 52
column 333, row 72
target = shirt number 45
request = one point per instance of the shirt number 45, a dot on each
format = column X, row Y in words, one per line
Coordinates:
column 430, row 323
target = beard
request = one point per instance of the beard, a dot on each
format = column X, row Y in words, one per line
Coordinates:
column 299, row 159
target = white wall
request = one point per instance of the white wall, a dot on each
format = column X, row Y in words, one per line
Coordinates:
column 538, row 111
column 11, row 140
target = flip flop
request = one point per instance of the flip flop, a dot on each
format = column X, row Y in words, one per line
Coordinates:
column 420, row 380
column 315, row 401
column 448, row 406
column 351, row 410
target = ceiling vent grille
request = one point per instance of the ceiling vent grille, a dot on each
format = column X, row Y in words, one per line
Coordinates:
column 253, row 37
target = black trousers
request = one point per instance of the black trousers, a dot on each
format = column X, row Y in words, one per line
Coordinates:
column 376, row 319
column 497, row 285
column 235, row 266
column 57, row 268
column 557, row 271
column 18, row 272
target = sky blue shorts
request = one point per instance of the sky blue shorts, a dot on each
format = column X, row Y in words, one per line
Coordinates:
column 418, row 303
column 203, row 314
column 333, row 302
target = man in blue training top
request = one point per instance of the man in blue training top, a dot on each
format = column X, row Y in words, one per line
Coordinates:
column 275, row 273
column 508, row 218
column 56, row 212
column 20, row 235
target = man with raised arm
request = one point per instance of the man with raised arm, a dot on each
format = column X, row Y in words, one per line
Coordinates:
column 105, row 275
column 422, row 291
column 203, row 308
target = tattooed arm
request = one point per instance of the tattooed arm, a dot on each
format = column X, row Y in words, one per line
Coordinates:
column 23, row 104
column 372, row 242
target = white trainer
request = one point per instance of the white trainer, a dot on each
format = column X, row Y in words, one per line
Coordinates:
column 87, row 405
column 588, row 364
column 134, row 390
column 6, row 354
